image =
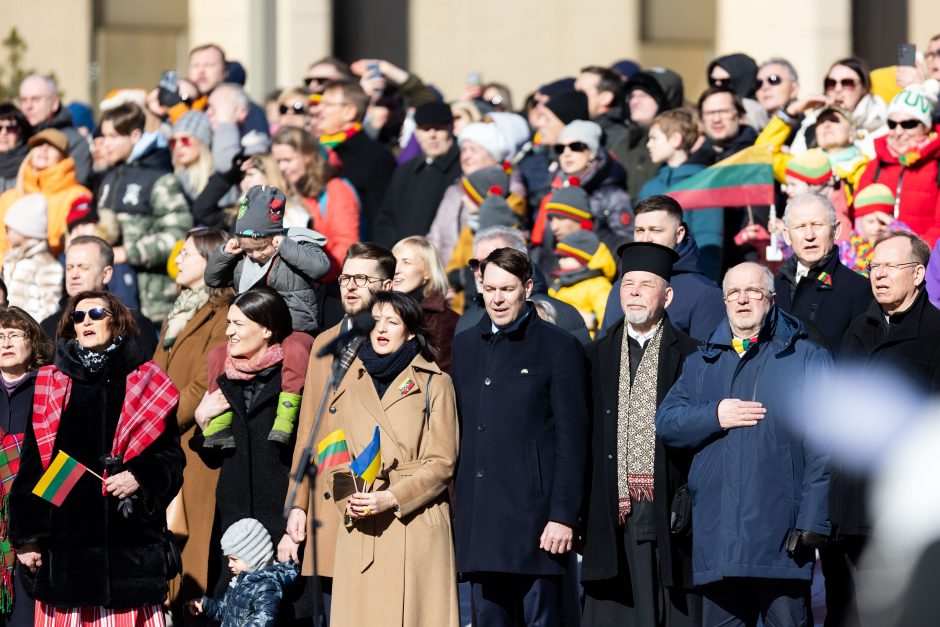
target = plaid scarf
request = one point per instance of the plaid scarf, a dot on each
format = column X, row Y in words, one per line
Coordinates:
column 245, row 369
column 10, row 447
column 636, row 429
column 149, row 398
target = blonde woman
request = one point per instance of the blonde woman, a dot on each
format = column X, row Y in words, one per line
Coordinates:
column 420, row 274
column 192, row 158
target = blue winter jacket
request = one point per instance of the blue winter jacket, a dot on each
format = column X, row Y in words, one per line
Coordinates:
column 697, row 306
column 707, row 225
column 750, row 485
column 254, row 599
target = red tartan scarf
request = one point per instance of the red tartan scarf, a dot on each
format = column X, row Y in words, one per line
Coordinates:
column 245, row 369
column 149, row 398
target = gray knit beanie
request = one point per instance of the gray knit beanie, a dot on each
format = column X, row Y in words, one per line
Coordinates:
column 260, row 212
column 249, row 540
column 195, row 123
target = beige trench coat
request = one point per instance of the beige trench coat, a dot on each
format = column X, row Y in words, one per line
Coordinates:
column 398, row 567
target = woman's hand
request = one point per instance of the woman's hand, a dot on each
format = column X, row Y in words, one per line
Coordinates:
column 194, row 606
column 211, row 405
column 29, row 556
column 370, row 503
column 297, row 525
column 287, row 549
column 121, row 485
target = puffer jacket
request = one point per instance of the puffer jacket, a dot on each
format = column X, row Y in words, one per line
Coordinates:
column 586, row 289
column 252, row 599
column 294, row 273
column 33, row 278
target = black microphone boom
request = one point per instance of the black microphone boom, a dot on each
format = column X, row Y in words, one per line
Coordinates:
column 362, row 324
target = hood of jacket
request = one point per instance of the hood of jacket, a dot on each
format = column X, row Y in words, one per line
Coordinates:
column 604, row 171
column 282, row 573
column 745, row 138
column 688, row 261
column 50, row 180
column 667, row 176
column 300, row 234
column 871, row 113
column 61, row 120
column 602, row 263
column 743, row 71
column 151, row 151
column 778, row 327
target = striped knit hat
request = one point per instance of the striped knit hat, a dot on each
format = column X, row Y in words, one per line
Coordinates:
column 811, row 167
column 580, row 245
column 573, row 203
column 495, row 211
column 875, row 197
column 482, row 183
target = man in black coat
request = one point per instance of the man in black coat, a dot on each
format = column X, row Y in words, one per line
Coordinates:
column 418, row 186
column 813, row 284
column 636, row 560
column 367, row 165
column 522, row 395
column 900, row 332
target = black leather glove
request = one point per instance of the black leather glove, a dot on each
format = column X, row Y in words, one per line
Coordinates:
column 809, row 539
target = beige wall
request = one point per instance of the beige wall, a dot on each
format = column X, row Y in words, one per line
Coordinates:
column 59, row 38
column 523, row 43
column 923, row 21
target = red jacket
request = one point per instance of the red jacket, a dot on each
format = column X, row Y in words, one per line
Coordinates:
column 916, row 185
column 335, row 214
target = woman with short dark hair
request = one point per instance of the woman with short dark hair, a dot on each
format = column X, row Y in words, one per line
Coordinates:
column 14, row 133
column 100, row 554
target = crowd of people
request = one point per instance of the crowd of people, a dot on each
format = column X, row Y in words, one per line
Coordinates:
column 503, row 350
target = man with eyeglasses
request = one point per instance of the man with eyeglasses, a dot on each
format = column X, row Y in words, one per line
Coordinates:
column 418, row 185
column 759, row 491
column 813, row 284
column 367, row 269
column 899, row 332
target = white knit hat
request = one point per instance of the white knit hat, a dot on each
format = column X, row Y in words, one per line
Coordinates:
column 583, row 131
column 915, row 102
column 487, row 136
column 27, row 216
column 249, row 540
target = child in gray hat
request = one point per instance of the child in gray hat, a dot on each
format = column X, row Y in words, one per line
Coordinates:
column 254, row 595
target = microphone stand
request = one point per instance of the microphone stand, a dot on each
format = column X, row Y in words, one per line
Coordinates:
column 307, row 465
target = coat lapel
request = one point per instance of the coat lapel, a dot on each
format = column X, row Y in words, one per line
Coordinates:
column 609, row 355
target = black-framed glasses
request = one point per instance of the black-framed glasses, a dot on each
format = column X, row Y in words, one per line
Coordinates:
column 890, row 268
column 573, row 146
column 752, row 293
column 772, row 80
column 95, row 313
column 907, row 125
column 845, row 83
column 298, row 108
column 360, row 280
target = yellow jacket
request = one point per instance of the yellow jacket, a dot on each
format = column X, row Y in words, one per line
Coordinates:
column 588, row 296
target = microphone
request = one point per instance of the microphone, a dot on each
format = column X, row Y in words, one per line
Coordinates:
column 362, row 324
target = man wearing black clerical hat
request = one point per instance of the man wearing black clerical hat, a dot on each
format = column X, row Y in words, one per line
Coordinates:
column 637, row 531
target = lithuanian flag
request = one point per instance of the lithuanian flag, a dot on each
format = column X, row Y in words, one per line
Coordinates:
column 367, row 463
column 59, row 479
column 745, row 178
column 332, row 450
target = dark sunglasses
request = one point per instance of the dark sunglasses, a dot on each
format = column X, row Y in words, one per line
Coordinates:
column 315, row 79
column 96, row 313
column 184, row 140
column 297, row 108
column 12, row 129
column 773, row 80
column 573, row 146
column 719, row 82
column 846, row 83
column 905, row 124
column 474, row 264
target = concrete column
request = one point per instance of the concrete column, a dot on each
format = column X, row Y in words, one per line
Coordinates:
column 304, row 34
column 523, row 43
column 810, row 34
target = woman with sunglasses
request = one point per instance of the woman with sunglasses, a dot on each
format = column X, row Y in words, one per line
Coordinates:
column 99, row 556
column 906, row 161
column 14, row 132
column 332, row 204
column 195, row 325
column 292, row 105
column 192, row 158
column 24, row 348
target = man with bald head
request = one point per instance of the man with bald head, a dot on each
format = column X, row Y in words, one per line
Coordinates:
column 759, row 491
column 39, row 102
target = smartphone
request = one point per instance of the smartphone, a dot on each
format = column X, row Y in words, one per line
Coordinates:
column 372, row 69
column 169, row 88
column 906, row 54
column 474, row 78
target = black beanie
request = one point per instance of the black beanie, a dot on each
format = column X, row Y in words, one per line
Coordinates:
column 433, row 113
column 569, row 106
column 261, row 212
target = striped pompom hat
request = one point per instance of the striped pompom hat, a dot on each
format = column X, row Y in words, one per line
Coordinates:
column 875, row 197
column 811, row 167
column 580, row 245
column 572, row 203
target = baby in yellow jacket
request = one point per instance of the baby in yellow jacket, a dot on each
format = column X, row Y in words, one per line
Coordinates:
column 586, row 269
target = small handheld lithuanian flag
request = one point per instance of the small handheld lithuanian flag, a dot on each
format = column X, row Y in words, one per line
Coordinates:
column 332, row 450
column 367, row 464
column 59, row 479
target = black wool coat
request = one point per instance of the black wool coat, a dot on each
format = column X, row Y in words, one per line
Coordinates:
column 91, row 554
column 413, row 196
column 910, row 345
column 830, row 306
column 522, row 398
column 369, row 167
column 670, row 470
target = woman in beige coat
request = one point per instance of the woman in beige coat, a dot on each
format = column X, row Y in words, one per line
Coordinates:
column 394, row 553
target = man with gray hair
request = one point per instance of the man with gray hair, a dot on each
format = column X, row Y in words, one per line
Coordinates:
column 228, row 111
column 486, row 241
column 759, row 491
column 40, row 103
column 813, row 284
column 777, row 84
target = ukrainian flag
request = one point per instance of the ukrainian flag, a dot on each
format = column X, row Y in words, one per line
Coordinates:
column 367, row 463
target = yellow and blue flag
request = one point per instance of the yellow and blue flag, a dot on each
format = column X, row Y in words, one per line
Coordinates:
column 367, row 463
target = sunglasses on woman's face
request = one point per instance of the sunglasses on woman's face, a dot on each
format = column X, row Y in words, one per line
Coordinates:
column 907, row 125
column 845, row 83
column 573, row 146
column 297, row 108
column 183, row 140
column 96, row 313
column 773, row 80
column 12, row 129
